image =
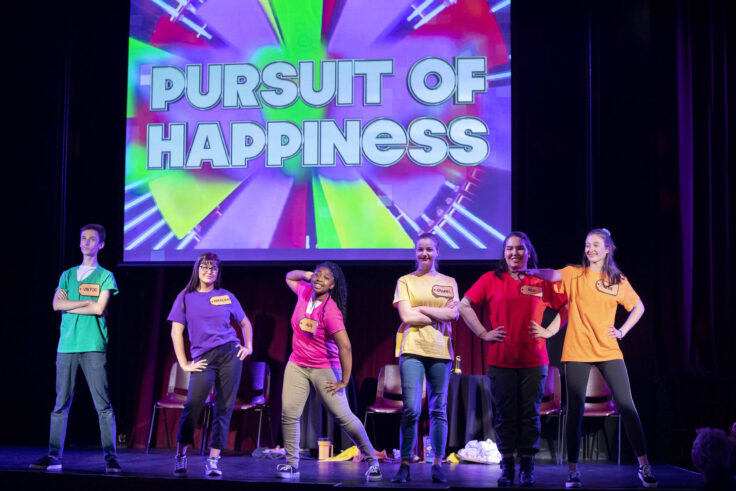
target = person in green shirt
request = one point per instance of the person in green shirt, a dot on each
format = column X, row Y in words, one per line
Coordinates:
column 82, row 296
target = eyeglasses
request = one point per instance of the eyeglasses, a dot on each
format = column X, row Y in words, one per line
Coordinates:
column 211, row 269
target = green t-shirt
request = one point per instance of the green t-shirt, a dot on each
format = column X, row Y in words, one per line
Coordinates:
column 82, row 333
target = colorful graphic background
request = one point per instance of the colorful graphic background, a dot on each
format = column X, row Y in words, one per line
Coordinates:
column 293, row 213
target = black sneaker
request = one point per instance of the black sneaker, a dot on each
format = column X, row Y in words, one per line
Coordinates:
column 646, row 476
column 180, row 465
column 374, row 473
column 438, row 475
column 526, row 472
column 285, row 471
column 112, row 466
column 573, row 480
column 402, row 475
column 46, row 463
column 506, row 479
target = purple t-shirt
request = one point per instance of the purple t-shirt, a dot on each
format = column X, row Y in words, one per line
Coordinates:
column 207, row 318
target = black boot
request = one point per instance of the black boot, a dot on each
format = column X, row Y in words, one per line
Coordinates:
column 506, row 480
column 526, row 472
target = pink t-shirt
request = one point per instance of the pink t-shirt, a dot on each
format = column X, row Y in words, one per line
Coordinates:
column 313, row 344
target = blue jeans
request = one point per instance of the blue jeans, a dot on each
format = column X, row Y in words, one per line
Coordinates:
column 223, row 371
column 517, row 394
column 413, row 370
column 94, row 367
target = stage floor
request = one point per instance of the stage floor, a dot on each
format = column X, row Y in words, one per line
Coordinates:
column 85, row 469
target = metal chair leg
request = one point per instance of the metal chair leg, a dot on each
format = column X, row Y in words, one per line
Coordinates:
column 166, row 427
column 150, row 430
column 260, row 424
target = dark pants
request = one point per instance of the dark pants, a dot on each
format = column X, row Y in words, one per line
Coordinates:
column 516, row 394
column 617, row 378
column 223, row 371
column 94, row 367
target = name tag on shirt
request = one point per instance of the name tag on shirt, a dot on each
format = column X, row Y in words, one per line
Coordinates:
column 531, row 291
column 442, row 291
column 308, row 325
column 610, row 289
column 89, row 290
column 221, row 300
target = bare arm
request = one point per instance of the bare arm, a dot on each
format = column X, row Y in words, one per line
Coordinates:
column 447, row 313
column 244, row 351
column 94, row 308
column 538, row 331
column 177, row 337
column 551, row 275
column 631, row 321
column 345, row 352
column 61, row 302
column 294, row 277
column 471, row 319
column 411, row 315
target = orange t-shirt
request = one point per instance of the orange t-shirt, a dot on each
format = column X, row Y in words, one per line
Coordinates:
column 592, row 312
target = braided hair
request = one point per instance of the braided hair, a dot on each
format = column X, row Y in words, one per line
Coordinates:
column 339, row 291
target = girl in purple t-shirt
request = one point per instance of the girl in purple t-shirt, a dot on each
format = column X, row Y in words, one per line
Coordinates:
column 322, row 358
column 206, row 310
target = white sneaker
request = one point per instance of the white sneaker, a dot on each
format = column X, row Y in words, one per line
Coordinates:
column 212, row 467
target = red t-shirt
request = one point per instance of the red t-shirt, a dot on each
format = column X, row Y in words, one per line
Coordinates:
column 513, row 304
column 313, row 343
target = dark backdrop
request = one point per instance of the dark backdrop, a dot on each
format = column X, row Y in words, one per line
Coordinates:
column 620, row 120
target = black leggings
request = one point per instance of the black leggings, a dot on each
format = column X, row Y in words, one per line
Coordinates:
column 617, row 378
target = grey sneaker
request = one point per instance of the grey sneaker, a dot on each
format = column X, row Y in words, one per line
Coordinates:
column 180, row 465
column 285, row 471
column 374, row 473
column 212, row 467
column 46, row 463
column 573, row 480
column 646, row 476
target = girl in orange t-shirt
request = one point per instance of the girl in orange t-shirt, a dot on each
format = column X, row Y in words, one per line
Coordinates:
column 594, row 292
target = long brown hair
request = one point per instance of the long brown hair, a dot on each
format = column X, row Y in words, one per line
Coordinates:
column 610, row 273
column 193, row 284
column 502, row 267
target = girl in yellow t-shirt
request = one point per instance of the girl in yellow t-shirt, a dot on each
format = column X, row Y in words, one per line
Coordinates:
column 594, row 292
column 427, row 302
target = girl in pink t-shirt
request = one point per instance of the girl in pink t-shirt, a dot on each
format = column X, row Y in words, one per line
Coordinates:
column 321, row 358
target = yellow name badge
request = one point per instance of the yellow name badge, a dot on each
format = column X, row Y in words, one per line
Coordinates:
column 308, row 325
column 531, row 290
column 442, row 291
column 89, row 290
column 221, row 300
column 610, row 289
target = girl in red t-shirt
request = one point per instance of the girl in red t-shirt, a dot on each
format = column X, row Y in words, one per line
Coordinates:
column 517, row 353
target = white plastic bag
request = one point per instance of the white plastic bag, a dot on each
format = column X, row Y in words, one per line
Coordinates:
column 484, row 452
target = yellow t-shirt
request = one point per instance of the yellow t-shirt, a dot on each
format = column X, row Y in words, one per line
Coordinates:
column 429, row 291
column 592, row 312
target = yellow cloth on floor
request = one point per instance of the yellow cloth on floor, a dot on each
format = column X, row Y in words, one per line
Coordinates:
column 452, row 458
column 346, row 454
